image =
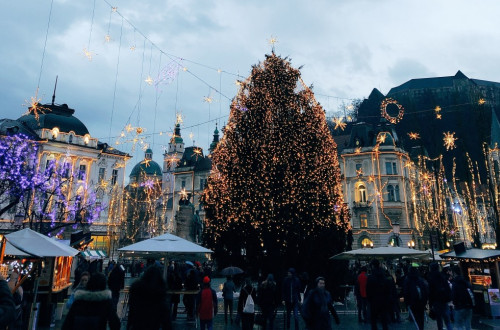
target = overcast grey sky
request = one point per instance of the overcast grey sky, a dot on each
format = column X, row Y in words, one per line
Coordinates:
column 346, row 48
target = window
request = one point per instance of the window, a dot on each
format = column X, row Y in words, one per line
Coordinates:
column 396, row 193
column 102, row 174
column 358, row 167
column 390, row 168
column 361, row 194
column 390, row 193
column 183, row 184
column 203, row 182
column 363, row 220
column 366, row 242
column 82, row 172
column 114, row 177
column 66, row 170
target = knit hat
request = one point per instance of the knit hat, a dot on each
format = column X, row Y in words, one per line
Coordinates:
column 206, row 279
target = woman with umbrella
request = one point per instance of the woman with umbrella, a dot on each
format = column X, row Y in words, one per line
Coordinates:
column 228, row 291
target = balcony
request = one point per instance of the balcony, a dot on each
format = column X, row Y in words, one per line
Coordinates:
column 361, row 205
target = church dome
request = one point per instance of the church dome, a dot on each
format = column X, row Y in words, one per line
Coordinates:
column 147, row 167
column 60, row 116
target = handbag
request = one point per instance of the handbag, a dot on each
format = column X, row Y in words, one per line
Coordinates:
column 260, row 319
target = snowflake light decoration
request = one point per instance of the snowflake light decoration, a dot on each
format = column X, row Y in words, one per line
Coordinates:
column 449, row 140
column 149, row 81
column 146, row 162
column 414, row 136
column 34, row 106
column 339, row 123
column 208, row 99
column 481, row 101
column 272, row 41
column 88, row 54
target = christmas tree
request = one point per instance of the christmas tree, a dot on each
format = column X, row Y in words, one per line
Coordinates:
column 274, row 198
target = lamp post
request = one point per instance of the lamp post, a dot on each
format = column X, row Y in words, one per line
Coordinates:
column 396, row 230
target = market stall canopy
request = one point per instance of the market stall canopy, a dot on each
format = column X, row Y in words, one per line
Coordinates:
column 93, row 254
column 380, row 253
column 165, row 245
column 475, row 254
column 38, row 245
column 11, row 250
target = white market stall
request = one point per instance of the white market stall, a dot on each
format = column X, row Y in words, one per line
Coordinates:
column 385, row 252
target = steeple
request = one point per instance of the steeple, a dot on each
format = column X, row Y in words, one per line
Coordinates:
column 148, row 154
column 215, row 141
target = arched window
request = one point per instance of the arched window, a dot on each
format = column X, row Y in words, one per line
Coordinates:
column 360, row 193
column 390, row 193
column 396, row 193
column 366, row 242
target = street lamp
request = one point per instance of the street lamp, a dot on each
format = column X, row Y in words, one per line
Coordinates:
column 411, row 244
column 396, row 230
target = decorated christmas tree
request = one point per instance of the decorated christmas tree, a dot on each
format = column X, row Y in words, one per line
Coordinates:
column 274, row 198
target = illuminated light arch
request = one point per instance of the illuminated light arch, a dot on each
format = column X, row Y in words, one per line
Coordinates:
column 383, row 110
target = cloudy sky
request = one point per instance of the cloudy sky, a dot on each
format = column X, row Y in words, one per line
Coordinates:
column 194, row 51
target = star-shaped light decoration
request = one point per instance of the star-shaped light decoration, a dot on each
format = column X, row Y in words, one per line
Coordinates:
column 132, row 48
column 339, row 123
column 119, row 165
column 148, row 184
column 149, row 80
column 146, row 162
column 272, row 41
column 359, row 172
column 139, row 130
column 103, row 184
column 208, row 99
column 129, row 128
column 438, row 116
column 179, row 119
column 88, row 54
column 449, row 140
column 414, row 136
column 107, row 38
column 238, row 83
column 34, row 106
column 114, row 9
column 381, row 138
column 172, row 160
column 481, row 101
column 191, row 135
column 184, row 69
column 183, row 193
column 197, row 153
column 357, row 150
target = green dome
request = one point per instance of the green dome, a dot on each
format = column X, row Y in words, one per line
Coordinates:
column 144, row 168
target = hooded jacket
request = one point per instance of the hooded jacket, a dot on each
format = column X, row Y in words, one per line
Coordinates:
column 92, row 310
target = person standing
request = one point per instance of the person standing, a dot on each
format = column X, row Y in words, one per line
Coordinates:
column 377, row 289
column 174, row 282
column 246, row 305
column 148, row 306
column 317, row 308
column 206, row 305
column 361, row 295
column 84, row 280
column 93, row 307
column 228, row 291
column 268, row 301
column 116, row 282
column 439, row 296
column 415, row 293
column 463, row 301
column 290, row 294
column 7, row 306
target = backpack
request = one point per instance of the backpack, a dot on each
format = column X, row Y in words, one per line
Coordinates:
column 249, row 306
column 417, row 293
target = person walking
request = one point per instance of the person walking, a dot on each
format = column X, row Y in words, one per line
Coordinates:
column 116, row 282
column 317, row 308
column 439, row 296
column 93, row 307
column 415, row 293
column 228, row 291
column 82, row 285
column 148, row 306
column 463, row 302
column 174, row 282
column 268, row 301
column 7, row 306
column 290, row 295
column 206, row 303
column 377, row 289
column 246, row 305
column 360, row 289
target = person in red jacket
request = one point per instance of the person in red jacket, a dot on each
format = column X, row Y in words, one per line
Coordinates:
column 361, row 293
column 207, row 305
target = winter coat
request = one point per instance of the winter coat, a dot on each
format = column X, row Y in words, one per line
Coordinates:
column 267, row 297
column 228, row 290
column 7, row 307
column 92, row 310
column 317, row 308
column 290, row 291
column 415, row 291
column 148, row 308
column 362, row 279
column 439, row 288
column 460, row 293
column 245, row 291
column 206, row 301
column 378, row 289
column 116, row 279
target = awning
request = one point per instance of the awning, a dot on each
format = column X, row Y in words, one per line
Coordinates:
column 94, row 253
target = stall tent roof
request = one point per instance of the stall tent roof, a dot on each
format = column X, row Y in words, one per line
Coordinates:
column 477, row 254
column 165, row 244
column 39, row 245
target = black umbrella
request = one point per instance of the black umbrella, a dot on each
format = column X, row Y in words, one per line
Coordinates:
column 231, row 271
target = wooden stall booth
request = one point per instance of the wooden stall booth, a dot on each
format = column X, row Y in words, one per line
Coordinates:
column 53, row 262
column 480, row 267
